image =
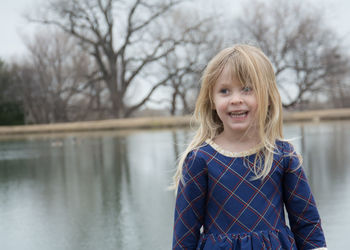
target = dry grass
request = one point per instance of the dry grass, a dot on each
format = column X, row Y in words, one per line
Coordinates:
column 157, row 122
column 115, row 124
column 317, row 115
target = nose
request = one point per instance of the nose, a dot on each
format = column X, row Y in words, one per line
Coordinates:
column 236, row 98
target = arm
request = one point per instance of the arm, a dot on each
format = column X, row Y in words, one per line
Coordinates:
column 302, row 211
column 190, row 203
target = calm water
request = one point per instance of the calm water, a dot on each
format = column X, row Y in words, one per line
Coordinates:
column 108, row 190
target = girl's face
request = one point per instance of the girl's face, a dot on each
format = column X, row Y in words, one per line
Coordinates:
column 236, row 105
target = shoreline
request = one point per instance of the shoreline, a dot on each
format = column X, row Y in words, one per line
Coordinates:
column 159, row 122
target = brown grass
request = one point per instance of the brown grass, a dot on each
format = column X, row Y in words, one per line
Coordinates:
column 114, row 124
column 317, row 115
column 157, row 122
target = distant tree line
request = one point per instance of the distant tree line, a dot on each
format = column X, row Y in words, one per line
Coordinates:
column 103, row 59
column 11, row 106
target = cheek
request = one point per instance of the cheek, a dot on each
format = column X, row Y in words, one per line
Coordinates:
column 220, row 106
column 255, row 106
column 253, row 103
column 221, row 103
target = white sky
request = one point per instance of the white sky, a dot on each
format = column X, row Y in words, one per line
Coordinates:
column 14, row 27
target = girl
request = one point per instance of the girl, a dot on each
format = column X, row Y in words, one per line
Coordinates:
column 238, row 173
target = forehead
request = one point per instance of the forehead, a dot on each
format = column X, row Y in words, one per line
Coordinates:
column 228, row 76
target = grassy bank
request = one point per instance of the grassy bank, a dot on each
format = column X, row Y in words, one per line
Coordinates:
column 158, row 122
column 318, row 115
column 113, row 124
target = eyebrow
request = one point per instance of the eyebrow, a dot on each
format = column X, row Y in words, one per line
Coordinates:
column 223, row 83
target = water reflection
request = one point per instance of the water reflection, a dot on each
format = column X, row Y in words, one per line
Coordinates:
column 325, row 149
column 108, row 190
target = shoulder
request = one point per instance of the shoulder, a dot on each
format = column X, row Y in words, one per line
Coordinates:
column 291, row 159
column 203, row 151
column 197, row 156
column 195, row 164
column 285, row 148
column 201, row 154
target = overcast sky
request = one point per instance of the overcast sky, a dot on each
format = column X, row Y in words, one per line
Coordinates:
column 14, row 28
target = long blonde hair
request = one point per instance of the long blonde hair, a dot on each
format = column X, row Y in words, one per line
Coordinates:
column 250, row 65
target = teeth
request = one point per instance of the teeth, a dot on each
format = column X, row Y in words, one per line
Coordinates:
column 238, row 114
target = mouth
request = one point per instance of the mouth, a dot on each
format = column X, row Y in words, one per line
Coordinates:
column 238, row 114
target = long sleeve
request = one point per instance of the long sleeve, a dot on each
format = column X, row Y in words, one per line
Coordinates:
column 303, row 216
column 190, row 203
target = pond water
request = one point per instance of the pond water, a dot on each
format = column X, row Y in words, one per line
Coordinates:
column 108, row 190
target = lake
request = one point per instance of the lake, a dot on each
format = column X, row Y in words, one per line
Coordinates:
column 108, row 190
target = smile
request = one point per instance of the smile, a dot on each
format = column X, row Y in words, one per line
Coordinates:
column 238, row 114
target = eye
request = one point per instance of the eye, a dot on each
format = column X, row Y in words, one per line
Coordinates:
column 223, row 91
column 247, row 89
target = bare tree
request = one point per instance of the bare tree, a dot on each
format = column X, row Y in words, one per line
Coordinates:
column 337, row 88
column 53, row 75
column 186, row 63
column 306, row 54
column 126, row 39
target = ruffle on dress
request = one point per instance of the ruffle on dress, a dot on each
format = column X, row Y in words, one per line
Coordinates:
column 255, row 240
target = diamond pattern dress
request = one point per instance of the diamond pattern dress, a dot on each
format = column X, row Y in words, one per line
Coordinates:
column 220, row 206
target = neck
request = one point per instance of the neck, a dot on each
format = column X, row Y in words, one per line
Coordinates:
column 237, row 142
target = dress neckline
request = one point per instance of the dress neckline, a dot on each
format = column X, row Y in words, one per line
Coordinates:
column 224, row 152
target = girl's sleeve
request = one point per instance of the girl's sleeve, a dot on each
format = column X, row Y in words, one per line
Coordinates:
column 190, row 203
column 303, row 216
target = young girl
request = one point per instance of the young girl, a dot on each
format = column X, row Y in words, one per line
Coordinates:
column 238, row 173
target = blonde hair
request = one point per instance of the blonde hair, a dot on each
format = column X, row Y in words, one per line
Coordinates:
column 249, row 65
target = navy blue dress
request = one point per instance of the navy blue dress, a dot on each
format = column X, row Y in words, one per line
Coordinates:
column 219, row 206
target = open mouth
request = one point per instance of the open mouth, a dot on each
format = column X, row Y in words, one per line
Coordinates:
column 238, row 114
